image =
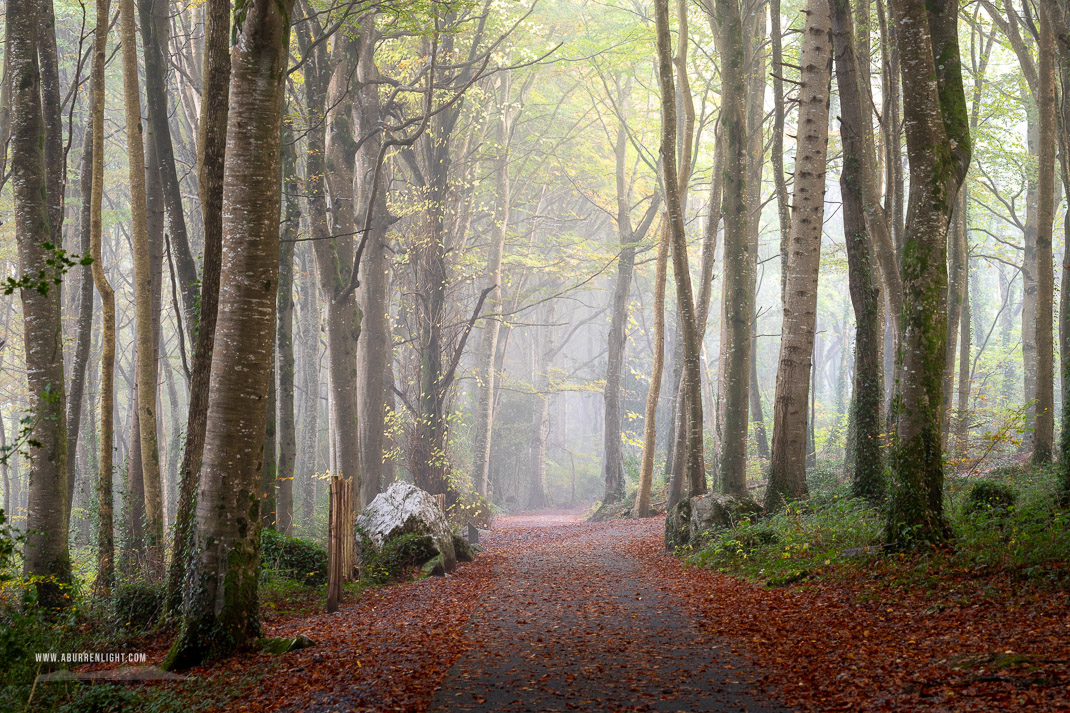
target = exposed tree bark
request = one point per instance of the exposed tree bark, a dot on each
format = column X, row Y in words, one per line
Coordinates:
column 375, row 351
column 211, row 150
column 154, row 36
column 310, row 352
column 777, row 150
column 739, row 261
column 334, row 258
column 867, row 475
column 52, row 113
column 287, row 432
column 269, row 461
column 1044, row 431
column 646, row 467
column 45, row 554
column 787, row 474
column 545, row 351
column 938, row 147
column 80, row 360
column 487, row 376
column 220, row 603
column 146, row 364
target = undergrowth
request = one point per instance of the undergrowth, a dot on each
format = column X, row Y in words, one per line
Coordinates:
column 1007, row 523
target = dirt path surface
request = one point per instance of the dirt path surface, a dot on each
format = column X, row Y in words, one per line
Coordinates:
column 571, row 619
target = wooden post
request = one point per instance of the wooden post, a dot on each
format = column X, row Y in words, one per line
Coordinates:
column 341, row 542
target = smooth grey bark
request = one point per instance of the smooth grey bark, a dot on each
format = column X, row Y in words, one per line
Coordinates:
column 787, row 474
column 84, row 330
column 211, row 151
column 220, row 608
column 154, row 27
column 375, row 351
column 45, row 554
column 287, row 432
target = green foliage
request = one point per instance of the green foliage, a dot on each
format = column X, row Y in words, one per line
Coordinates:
column 1011, row 523
column 397, row 557
column 804, row 537
column 304, row 561
column 59, row 262
column 990, row 496
column 137, row 605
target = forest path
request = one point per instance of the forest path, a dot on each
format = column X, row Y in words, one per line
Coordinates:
column 572, row 618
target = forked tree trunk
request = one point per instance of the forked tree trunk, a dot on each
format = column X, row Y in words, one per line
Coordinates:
column 221, row 604
column 787, row 474
column 45, row 554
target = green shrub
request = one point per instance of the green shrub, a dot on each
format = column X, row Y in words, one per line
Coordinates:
column 302, row 560
column 989, row 495
column 138, row 605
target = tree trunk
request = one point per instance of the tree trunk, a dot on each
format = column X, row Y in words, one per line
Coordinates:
column 80, row 362
column 310, row 355
column 646, row 468
column 334, row 258
column 868, row 463
column 739, row 261
column 488, row 346
column 105, row 526
column 613, row 463
column 787, row 473
column 287, row 433
column 155, row 38
column 211, row 149
column 52, row 114
column 220, row 604
column 375, row 351
column 146, row 364
column 938, row 148
column 674, row 181
column 45, row 553
column 537, row 499
column 1044, row 430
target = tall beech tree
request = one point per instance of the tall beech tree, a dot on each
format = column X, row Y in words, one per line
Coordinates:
column 211, row 152
column 220, row 602
column 938, row 150
column 695, row 469
column 105, row 527
column 787, row 474
column 866, row 456
column 143, row 303
column 46, row 552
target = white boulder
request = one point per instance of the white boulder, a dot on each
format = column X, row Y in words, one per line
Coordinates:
column 403, row 508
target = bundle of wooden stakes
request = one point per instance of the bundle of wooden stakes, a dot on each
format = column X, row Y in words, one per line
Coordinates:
column 341, row 542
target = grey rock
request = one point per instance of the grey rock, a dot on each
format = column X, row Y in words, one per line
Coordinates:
column 714, row 511
column 404, row 508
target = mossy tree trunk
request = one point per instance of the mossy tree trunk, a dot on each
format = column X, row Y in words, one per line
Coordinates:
column 867, row 479
column 938, row 151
